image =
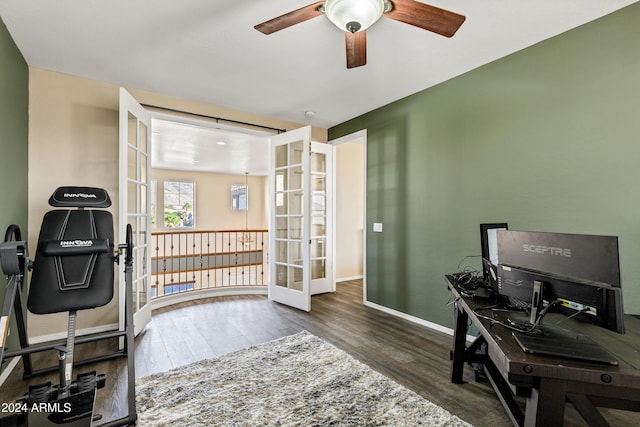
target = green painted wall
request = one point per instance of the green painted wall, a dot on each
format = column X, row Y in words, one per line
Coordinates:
column 14, row 129
column 546, row 139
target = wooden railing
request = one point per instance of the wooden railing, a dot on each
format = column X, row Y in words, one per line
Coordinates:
column 185, row 261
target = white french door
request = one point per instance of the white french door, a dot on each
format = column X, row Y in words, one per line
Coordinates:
column 322, row 213
column 135, row 203
column 301, row 220
column 289, row 225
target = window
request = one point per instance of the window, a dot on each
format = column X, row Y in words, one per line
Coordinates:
column 179, row 200
column 239, row 197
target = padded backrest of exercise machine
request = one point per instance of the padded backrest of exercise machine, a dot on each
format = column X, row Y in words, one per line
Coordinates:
column 74, row 265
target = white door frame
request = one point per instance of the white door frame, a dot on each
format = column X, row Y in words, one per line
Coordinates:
column 359, row 137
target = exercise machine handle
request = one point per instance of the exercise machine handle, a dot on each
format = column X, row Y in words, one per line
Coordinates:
column 129, row 245
column 15, row 230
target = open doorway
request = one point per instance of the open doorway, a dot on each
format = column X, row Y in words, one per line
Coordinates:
column 350, row 204
column 202, row 243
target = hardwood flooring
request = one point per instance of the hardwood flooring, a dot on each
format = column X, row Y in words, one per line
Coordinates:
column 412, row 355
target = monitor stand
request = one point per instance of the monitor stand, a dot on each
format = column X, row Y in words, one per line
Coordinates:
column 536, row 303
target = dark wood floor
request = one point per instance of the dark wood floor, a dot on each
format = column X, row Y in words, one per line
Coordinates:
column 412, row 355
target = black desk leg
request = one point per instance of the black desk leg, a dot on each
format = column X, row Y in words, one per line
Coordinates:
column 546, row 405
column 459, row 344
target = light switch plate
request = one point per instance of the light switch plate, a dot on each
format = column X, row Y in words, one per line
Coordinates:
column 377, row 227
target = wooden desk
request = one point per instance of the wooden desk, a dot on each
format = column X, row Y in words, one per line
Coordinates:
column 547, row 383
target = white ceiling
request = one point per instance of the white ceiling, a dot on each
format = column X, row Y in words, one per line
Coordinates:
column 215, row 148
column 207, row 50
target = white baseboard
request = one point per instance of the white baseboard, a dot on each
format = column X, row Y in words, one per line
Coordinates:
column 413, row 319
column 344, row 279
column 79, row 332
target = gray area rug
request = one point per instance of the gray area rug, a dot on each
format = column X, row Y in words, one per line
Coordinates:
column 299, row 380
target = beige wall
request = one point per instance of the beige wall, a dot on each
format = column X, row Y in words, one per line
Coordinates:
column 349, row 209
column 213, row 199
column 73, row 140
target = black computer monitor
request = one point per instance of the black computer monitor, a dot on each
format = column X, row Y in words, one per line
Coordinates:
column 489, row 248
column 579, row 274
column 583, row 256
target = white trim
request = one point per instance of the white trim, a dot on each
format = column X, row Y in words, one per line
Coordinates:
column 207, row 293
column 359, row 137
column 345, row 279
column 80, row 332
column 8, row 369
column 413, row 319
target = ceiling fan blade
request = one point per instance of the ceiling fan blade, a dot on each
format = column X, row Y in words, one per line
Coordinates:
column 288, row 19
column 427, row 17
column 356, row 44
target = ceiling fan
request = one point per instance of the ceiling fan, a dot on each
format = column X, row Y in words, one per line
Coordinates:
column 355, row 16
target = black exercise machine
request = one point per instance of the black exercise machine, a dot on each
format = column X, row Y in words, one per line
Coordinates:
column 73, row 270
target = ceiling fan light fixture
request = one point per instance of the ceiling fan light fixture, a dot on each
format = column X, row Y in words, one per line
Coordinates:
column 354, row 15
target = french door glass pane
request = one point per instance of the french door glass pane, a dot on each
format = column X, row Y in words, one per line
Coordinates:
column 318, row 248
column 132, row 130
column 295, row 178
column 142, row 240
column 132, row 192
column 318, row 269
column 295, row 153
column 281, row 251
column 143, row 139
column 132, row 170
column 282, row 207
column 281, row 156
column 295, row 203
column 318, row 228
column 295, row 278
column 295, row 227
column 282, row 180
column 282, row 225
column 318, row 162
column 143, row 297
column 143, row 199
column 281, row 275
column 295, row 253
column 143, row 168
column 318, row 182
column 318, row 203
